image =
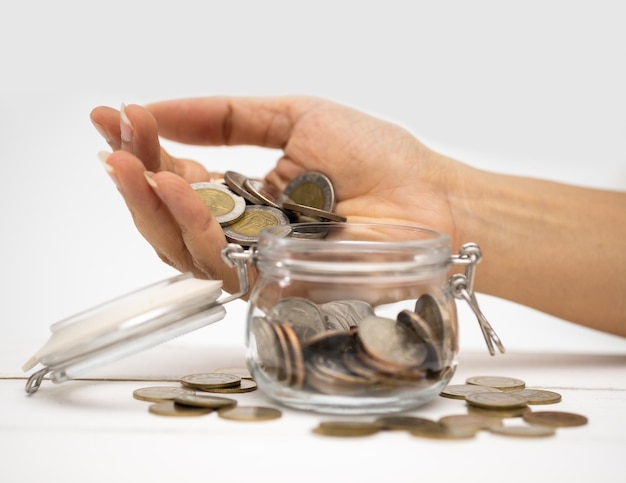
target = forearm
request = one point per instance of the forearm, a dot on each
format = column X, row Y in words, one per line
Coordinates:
column 560, row 249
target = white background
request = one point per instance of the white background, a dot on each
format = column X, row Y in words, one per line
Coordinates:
column 533, row 88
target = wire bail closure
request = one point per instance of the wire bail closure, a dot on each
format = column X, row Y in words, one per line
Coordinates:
column 463, row 288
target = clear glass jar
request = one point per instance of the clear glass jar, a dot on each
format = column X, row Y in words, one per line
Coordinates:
column 352, row 318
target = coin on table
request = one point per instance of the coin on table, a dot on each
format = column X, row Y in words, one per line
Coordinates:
column 499, row 382
column 311, row 188
column 242, row 372
column 255, row 218
column 347, row 428
column 496, row 400
column 205, row 401
column 236, row 182
column 250, row 413
column 498, row 413
column 246, row 385
column 160, row 393
column 210, row 380
column 474, row 421
column 460, row 391
column 559, row 419
column 440, row 431
column 225, row 205
column 523, row 431
column 170, row 408
column 403, row 423
column 538, row 396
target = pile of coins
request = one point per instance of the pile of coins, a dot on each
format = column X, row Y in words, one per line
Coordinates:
column 244, row 206
column 343, row 348
column 490, row 400
column 196, row 397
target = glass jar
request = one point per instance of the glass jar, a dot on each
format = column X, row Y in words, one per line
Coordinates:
column 352, row 318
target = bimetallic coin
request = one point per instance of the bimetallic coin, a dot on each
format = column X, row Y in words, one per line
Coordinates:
column 538, row 396
column 236, row 182
column 221, row 202
column 255, row 218
column 555, row 419
column 496, row 400
column 460, row 391
column 499, row 382
column 346, row 428
column 210, row 380
column 205, row 401
column 250, row 413
column 523, row 431
column 170, row 408
column 311, row 189
column 160, row 393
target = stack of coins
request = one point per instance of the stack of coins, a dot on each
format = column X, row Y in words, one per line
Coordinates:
column 244, row 206
column 196, row 397
column 344, row 348
column 499, row 400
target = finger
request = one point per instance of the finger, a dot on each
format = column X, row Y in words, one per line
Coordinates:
column 139, row 135
column 200, row 232
column 150, row 215
column 266, row 122
column 106, row 120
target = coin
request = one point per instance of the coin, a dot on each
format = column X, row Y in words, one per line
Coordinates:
column 474, row 421
column 538, row 396
column 204, row 401
column 242, row 372
column 314, row 213
column 346, row 428
column 499, row 382
column 295, row 353
column 440, row 431
column 496, row 400
column 210, row 380
column 236, row 182
column 343, row 314
column 303, row 315
column 311, row 189
column 555, row 419
column 403, row 423
column 262, row 192
column 250, row 413
column 268, row 351
column 246, row 385
column 498, row 413
column 221, row 202
column 523, row 431
column 160, row 393
column 255, row 218
column 428, row 309
column 460, row 391
column 170, row 408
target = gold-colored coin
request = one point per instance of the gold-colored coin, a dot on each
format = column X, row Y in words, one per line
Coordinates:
column 440, row 431
column 210, row 380
column 221, row 202
column 255, row 218
column 246, row 385
column 498, row 413
column 205, row 401
column 496, row 400
column 460, row 391
column 475, row 421
column 250, row 413
column 538, row 396
column 499, row 382
column 347, row 428
column 558, row 419
column 523, row 431
column 403, row 423
column 160, row 393
column 170, row 408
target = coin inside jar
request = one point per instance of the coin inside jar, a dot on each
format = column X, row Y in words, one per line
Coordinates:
column 221, row 202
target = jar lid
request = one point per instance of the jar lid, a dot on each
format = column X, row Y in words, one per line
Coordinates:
column 126, row 325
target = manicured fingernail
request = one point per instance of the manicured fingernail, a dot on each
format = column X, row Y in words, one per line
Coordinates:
column 149, row 178
column 126, row 128
column 104, row 156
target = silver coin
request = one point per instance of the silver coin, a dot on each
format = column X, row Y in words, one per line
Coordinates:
column 460, row 391
column 257, row 189
column 343, row 314
column 303, row 315
column 268, row 351
column 225, row 205
column 255, row 218
column 205, row 401
column 312, row 189
column 236, row 182
column 428, row 309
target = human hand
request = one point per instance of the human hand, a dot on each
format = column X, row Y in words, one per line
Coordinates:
column 380, row 172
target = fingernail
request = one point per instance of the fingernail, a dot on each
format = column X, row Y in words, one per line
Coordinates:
column 126, row 128
column 104, row 156
column 102, row 132
column 149, row 178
